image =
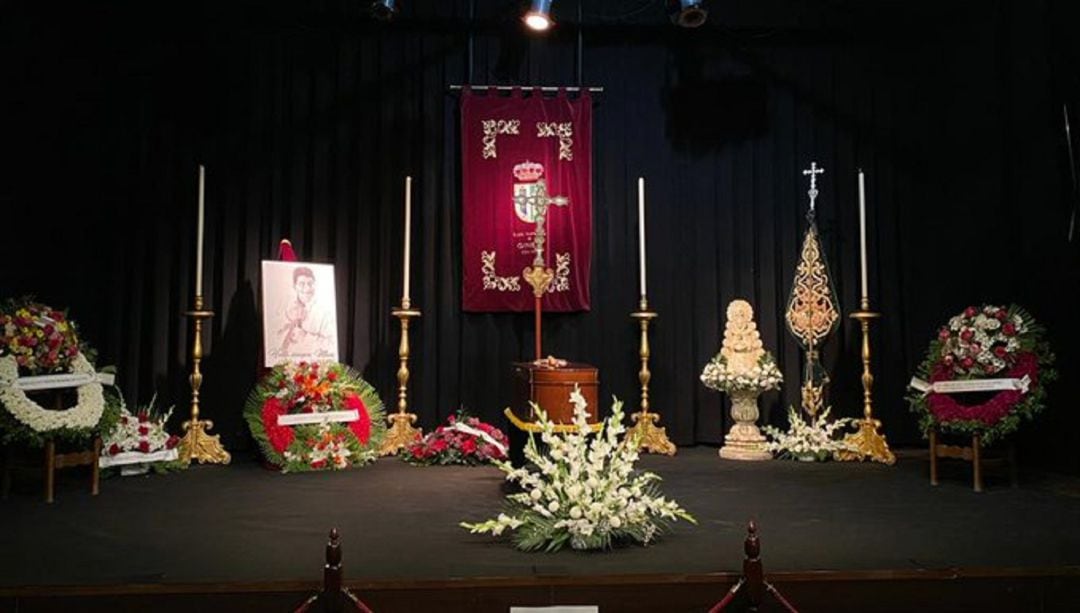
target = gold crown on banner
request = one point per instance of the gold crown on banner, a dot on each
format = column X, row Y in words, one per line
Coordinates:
column 528, row 171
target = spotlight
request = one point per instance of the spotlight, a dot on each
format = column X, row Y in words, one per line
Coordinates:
column 384, row 10
column 539, row 16
column 690, row 13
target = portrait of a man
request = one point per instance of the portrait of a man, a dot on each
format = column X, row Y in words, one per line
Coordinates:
column 299, row 314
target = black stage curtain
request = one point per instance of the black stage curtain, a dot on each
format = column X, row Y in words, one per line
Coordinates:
column 309, row 114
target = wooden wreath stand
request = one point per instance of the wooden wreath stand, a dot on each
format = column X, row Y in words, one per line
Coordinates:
column 55, row 461
column 973, row 454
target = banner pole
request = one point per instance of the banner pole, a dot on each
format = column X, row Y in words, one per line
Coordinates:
column 538, row 327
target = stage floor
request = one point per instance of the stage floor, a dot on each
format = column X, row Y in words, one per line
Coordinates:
column 242, row 523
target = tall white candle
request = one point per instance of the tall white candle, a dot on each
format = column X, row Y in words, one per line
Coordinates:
column 862, row 232
column 199, row 232
column 408, row 227
column 641, row 231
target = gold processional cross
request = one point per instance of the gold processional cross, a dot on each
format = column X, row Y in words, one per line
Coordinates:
column 539, row 276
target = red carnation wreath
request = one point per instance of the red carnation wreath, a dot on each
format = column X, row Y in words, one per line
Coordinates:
column 984, row 343
column 315, row 388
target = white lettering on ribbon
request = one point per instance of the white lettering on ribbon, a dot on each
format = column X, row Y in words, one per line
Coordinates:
column 52, row 382
column 971, row 385
column 298, row 419
column 137, row 457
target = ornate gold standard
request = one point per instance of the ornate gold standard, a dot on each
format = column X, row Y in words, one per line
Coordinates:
column 811, row 313
column 401, row 431
column 867, row 442
column 650, row 436
column 197, row 445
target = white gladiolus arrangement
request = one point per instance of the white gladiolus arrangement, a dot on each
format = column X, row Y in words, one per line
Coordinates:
column 813, row 440
column 584, row 491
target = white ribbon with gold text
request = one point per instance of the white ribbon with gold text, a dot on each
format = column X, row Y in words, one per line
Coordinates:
column 971, row 385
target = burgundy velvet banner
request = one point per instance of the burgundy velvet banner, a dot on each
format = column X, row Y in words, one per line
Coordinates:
column 521, row 154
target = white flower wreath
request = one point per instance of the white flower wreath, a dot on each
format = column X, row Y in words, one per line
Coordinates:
column 85, row 414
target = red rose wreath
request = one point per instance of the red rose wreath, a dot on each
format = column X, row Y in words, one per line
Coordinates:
column 989, row 342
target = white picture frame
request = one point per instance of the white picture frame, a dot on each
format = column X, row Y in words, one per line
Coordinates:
column 299, row 312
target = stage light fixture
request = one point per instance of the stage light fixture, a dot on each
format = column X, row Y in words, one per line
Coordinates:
column 690, row 13
column 538, row 16
column 384, row 10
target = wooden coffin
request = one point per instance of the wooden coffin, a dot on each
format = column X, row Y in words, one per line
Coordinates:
column 550, row 388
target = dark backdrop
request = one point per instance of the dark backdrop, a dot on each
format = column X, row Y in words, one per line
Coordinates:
column 308, row 115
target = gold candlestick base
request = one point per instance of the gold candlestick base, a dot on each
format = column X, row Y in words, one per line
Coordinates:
column 401, row 432
column 196, row 444
column 650, row 437
column 202, row 447
column 867, row 443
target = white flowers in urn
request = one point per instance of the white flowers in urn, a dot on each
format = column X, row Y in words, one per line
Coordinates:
column 762, row 377
column 742, row 369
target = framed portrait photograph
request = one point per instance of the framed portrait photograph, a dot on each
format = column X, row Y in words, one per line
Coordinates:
column 299, row 312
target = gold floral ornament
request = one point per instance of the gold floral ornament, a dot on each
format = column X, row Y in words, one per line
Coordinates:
column 812, row 314
column 492, row 129
column 565, row 133
column 492, row 281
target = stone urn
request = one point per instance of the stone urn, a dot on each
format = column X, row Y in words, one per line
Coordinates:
column 744, row 441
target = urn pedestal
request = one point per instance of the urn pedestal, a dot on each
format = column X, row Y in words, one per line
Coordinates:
column 744, row 441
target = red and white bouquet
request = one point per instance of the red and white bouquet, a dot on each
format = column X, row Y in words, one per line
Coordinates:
column 140, row 441
column 463, row 440
column 328, row 447
column 982, row 341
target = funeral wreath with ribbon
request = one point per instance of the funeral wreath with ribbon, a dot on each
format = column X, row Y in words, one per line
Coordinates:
column 984, row 373
column 315, row 416
column 39, row 351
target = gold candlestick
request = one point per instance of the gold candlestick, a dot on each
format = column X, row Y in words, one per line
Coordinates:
column 867, row 442
column 401, row 432
column 651, row 437
column 197, row 445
